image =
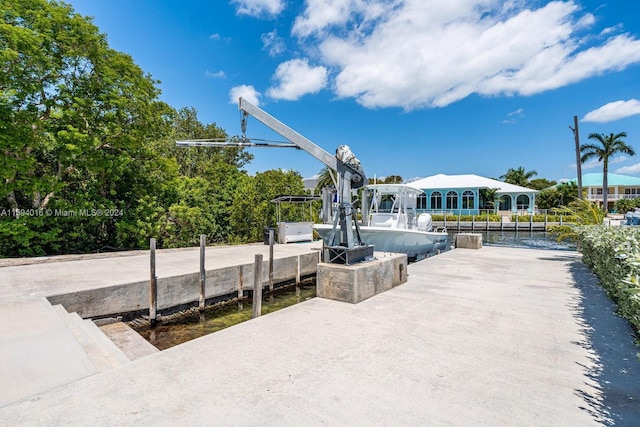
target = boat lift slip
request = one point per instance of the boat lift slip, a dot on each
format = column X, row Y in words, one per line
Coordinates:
column 345, row 245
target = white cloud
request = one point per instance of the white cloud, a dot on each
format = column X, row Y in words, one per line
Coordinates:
column 296, row 78
column 217, row 75
column 631, row 169
column 431, row 53
column 259, row 7
column 592, row 164
column 613, row 111
column 247, row 92
column 273, row 43
column 513, row 116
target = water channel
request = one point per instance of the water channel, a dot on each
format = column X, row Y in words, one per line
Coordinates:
column 191, row 324
column 524, row 239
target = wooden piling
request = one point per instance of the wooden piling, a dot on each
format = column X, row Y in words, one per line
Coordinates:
column 298, row 277
column 203, row 273
column 153, row 284
column 257, row 287
column 240, row 288
column 271, row 242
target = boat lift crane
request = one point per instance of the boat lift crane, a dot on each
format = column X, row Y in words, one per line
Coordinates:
column 346, row 245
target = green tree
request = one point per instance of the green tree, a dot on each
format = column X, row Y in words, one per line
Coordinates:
column 541, row 183
column 252, row 209
column 393, row 179
column 559, row 195
column 606, row 147
column 584, row 211
column 489, row 197
column 518, row 176
column 77, row 120
column 626, row 205
column 325, row 179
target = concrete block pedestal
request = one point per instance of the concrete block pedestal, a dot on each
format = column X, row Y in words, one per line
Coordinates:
column 357, row 282
column 468, row 240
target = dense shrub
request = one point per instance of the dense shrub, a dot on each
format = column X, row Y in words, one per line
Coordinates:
column 613, row 254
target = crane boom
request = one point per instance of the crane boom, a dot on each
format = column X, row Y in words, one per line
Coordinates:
column 284, row 130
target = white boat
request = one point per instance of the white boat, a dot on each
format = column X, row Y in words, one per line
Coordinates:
column 390, row 222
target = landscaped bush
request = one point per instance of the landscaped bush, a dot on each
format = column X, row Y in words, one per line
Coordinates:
column 541, row 218
column 613, row 254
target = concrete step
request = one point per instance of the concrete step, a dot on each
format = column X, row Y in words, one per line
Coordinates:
column 129, row 341
column 37, row 350
column 102, row 352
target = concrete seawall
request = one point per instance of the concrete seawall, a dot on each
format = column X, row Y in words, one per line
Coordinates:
column 182, row 289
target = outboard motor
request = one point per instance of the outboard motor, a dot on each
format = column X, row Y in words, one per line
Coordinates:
column 425, row 222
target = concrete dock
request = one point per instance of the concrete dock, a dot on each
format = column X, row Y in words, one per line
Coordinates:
column 496, row 336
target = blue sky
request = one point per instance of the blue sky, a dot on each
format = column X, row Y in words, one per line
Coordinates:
column 414, row 87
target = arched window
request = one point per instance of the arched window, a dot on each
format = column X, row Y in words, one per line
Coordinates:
column 452, row 200
column 468, row 200
column 421, row 202
column 522, row 201
column 436, row 200
column 505, row 202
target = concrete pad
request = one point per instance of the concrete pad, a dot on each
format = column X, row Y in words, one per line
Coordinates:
column 37, row 350
column 481, row 338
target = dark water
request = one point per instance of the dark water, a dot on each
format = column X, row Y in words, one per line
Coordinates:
column 524, row 239
column 194, row 325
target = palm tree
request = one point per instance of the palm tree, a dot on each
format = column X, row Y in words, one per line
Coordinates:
column 609, row 146
column 582, row 212
column 326, row 178
column 518, row 176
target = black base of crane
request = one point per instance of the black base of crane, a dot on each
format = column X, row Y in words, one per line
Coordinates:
column 347, row 256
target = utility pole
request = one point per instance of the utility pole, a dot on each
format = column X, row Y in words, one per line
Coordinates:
column 576, row 136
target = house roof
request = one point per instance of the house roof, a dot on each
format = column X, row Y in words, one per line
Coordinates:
column 613, row 179
column 442, row 181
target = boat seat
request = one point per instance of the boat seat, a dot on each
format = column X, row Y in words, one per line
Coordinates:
column 382, row 220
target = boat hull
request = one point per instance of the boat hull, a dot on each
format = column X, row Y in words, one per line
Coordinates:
column 414, row 243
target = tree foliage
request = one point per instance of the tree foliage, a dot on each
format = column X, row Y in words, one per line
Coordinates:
column 559, row 195
column 88, row 156
column 518, row 176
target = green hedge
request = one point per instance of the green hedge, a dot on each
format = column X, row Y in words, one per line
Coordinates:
column 613, row 254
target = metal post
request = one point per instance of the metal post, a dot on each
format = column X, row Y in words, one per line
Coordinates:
column 203, row 273
column 153, row 284
column 257, row 287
